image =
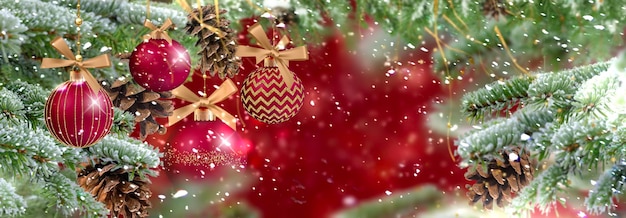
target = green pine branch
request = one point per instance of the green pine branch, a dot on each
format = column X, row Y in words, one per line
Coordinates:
column 556, row 90
column 590, row 99
column 125, row 12
column 607, row 189
column 27, row 69
column 12, row 36
column 45, row 21
column 525, row 26
column 123, row 122
column 10, row 105
column 64, row 194
column 33, row 155
column 495, row 97
column 581, row 144
column 542, row 191
column 33, row 99
column 494, row 138
column 11, row 203
column 135, row 156
column 572, row 116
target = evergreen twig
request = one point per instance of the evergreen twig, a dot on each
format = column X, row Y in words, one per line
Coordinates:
column 495, row 97
column 610, row 184
column 494, row 138
column 11, row 204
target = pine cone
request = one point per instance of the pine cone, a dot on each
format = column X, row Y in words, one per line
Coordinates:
column 501, row 178
column 494, row 8
column 217, row 54
column 144, row 104
column 111, row 185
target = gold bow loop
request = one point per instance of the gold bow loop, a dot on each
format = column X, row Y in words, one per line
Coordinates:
column 281, row 58
column 225, row 90
column 158, row 32
column 98, row 62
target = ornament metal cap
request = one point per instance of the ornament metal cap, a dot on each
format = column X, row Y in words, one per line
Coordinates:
column 203, row 114
column 269, row 62
column 76, row 76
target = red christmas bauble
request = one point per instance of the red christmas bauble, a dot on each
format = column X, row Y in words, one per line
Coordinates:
column 267, row 98
column 160, row 66
column 76, row 115
column 196, row 148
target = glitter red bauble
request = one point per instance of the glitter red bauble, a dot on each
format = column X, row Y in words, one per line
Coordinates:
column 195, row 148
column 77, row 116
column 159, row 66
column 267, row 98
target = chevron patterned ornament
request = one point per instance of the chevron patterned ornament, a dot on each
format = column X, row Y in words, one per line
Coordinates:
column 267, row 98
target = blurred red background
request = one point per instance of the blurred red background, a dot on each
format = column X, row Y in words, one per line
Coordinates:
column 361, row 134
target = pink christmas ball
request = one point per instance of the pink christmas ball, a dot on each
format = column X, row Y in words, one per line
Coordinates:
column 160, row 66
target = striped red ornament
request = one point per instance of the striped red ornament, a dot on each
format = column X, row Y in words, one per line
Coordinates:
column 76, row 115
column 267, row 98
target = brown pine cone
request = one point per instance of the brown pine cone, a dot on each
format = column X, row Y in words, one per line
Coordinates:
column 110, row 184
column 145, row 105
column 501, row 178
column 217, row 53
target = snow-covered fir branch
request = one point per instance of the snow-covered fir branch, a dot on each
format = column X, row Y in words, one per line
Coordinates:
column 581, row 129
column 11, row 204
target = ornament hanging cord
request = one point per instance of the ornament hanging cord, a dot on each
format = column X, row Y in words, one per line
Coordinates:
column 257, row 7
column 241, row 120
column 434, row 34
column 147, row 9
column 78, row 22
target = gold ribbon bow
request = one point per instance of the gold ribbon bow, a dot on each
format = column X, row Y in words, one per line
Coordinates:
column 158, row 32
column 281, row 58
column 226, row 89
column 98, row 62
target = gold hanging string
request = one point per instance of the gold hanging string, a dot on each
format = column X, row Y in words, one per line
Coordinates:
column 508, row 51
column 257, row 7
column 243, row 123
column 217, row 11
column 78, row 22
column 457, row 15
column 147, row 9
column 434, row 34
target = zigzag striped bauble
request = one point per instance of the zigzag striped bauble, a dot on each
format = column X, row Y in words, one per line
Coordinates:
column 267, row 98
